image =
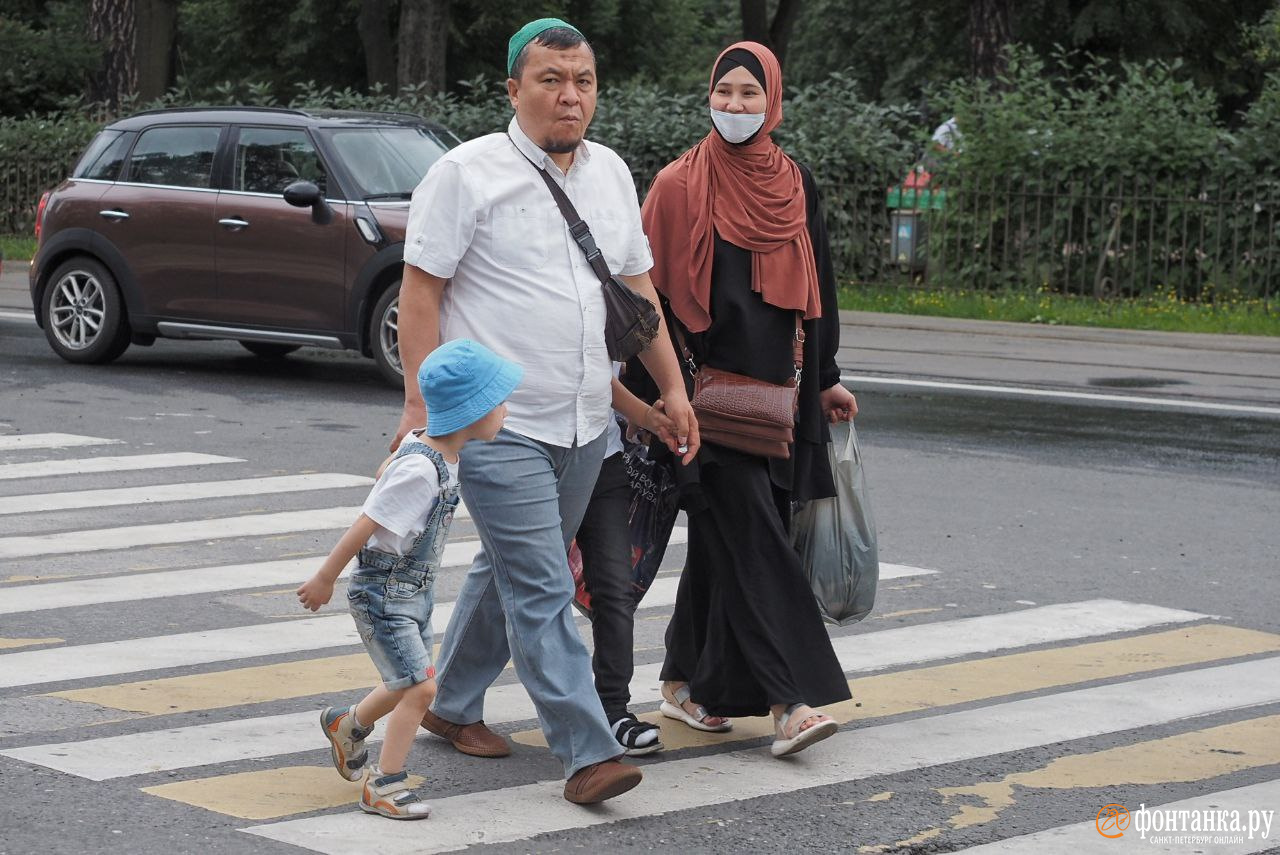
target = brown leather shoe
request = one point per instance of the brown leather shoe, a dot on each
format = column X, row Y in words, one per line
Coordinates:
column 474, row 739
column 600, row 781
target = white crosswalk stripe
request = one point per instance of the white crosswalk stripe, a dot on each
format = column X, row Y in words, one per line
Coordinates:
column 199, row 745
column 517, row 813
column 98, row 465
column 181, row 492
column 167, row 738
column 134, row 587
column 28, row 441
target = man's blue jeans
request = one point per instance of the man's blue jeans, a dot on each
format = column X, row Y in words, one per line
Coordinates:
column 526, row 499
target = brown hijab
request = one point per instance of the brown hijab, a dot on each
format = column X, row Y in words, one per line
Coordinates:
column 752, row 194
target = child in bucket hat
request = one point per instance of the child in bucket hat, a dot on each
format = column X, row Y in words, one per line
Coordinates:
column 398, row 540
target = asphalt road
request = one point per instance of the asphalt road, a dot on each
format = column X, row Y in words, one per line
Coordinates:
column 1098, row 626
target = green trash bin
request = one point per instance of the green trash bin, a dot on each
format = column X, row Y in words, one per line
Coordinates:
column 908, row 203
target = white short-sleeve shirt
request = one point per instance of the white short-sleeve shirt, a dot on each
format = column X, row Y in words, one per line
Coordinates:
column 484, row 219
column 402, row 499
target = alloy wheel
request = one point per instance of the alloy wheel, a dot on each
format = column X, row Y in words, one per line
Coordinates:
column 78, row 309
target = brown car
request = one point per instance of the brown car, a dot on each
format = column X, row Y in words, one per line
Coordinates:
column 276, row 228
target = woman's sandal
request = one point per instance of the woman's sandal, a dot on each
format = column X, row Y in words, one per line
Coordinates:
column 673, row 707
column 637, row 737
column 800, row 739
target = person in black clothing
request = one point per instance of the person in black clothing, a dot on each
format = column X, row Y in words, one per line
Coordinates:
column 740, row 252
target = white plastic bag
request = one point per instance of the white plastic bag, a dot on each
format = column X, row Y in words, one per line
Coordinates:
column 836, row 537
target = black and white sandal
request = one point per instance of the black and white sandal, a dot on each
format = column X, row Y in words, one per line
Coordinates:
column 637, row 737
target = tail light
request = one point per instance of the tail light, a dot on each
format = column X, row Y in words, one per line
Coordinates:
column 44, row 200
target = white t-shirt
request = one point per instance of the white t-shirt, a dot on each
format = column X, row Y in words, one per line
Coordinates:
column 402, row 499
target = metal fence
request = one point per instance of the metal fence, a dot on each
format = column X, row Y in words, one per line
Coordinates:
column 1091, row 235
column 23, row 180
column 1197, row 238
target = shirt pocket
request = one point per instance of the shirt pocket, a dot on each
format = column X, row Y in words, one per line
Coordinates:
column 612, row 234
column 522, row 237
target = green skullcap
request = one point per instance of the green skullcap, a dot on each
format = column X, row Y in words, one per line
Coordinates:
column 531, row 31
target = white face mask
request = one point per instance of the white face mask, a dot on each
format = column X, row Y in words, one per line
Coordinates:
column 737, row 127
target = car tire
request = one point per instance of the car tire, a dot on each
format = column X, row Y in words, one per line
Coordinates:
column 269, row 350
column 384, row 335
column 85, row 320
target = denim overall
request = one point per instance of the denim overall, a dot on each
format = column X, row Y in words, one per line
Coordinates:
column 391, row 595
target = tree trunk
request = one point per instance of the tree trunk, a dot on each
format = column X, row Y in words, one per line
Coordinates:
column 990, row 31
column 156, row 41
column 111, row 25
column 756, row 26
column 374, row 25
column 424, row 37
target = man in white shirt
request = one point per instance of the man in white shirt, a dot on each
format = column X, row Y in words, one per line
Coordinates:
column 488, row 256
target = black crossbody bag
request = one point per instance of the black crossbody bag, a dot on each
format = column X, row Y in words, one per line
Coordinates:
column 631, row 321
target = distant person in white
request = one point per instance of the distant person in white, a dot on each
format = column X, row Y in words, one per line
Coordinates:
column 488, row 256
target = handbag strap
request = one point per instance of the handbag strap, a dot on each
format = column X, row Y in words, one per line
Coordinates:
column 797, row 347
column 577, row 226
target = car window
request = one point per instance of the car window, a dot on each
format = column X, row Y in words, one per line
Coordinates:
column 387, row 162
column 104, row 157
column 270, row 159
column 174, row 156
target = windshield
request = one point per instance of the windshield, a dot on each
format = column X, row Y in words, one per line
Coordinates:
column 387, row 163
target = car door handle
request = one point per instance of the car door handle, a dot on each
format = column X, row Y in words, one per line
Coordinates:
column 113, row 215
column 233, row 223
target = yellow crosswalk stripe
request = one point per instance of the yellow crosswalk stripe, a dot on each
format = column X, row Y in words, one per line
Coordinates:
column 234, row 687
column 267, row 793
column 982, row 679
column 13, row 643
column 1195, row 756
column 327, row 675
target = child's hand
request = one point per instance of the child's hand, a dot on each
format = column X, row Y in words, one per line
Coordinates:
column 315, row 592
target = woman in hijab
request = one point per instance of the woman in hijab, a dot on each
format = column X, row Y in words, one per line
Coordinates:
column 740, row 248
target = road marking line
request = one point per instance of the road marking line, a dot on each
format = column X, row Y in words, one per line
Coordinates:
column 262, row 683
column 26, row 441
column 182, row 492
column 216, row 645
column 268, row 793
column 269, row 736
column 259, row 684
column 1083, row 836
column 1196, row 755
column 512, row 814
column 11, row 643
column 97, row 590
column 219, row 528
column 983, row 679
column 1027, row 391
column 96, row 465
column 176, row 651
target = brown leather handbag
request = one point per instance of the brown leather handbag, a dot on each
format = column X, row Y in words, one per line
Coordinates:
column 741, row 412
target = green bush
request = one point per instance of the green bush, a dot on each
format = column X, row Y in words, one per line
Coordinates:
column 1116, row 180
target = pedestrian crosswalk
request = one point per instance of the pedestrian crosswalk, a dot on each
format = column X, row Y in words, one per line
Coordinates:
column 222, row 716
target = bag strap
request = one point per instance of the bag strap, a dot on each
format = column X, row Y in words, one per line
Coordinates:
column 797, row 346
column 577, row 227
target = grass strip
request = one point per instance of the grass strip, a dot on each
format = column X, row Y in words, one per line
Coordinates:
column 1229, row 314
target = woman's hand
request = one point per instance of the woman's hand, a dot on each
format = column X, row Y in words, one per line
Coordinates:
column 838, row 404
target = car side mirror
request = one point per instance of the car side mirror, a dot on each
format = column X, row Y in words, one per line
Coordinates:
column 304, row 194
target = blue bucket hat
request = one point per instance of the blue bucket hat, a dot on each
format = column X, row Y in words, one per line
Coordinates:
column 461, row 382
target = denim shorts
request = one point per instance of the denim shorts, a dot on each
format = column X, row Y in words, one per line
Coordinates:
column 392, row 610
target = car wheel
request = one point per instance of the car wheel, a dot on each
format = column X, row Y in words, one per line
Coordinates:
column 384, row 335
column 267, row 350
column 85, row 319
